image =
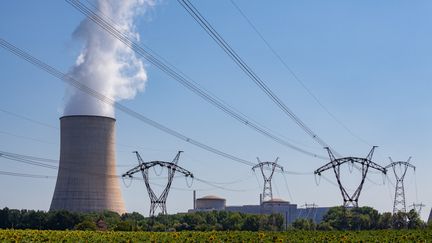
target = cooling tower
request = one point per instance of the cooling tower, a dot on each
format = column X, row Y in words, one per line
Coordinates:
column 87, row 180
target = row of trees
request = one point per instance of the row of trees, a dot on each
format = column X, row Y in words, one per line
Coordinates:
column 337, row 218
column 201, row 221
column 362, row 218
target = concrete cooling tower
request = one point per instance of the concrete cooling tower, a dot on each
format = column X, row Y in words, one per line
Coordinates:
column 87, row 180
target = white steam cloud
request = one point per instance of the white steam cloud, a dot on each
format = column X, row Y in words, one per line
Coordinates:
column 105, row 64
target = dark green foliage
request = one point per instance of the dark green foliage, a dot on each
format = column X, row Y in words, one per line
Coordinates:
column 62, row 220
column 338, row 218
column 304, row 224
column 123, row 226
column 251, row 223
column 86, row 225
column 385, row 221
column 367, row 218
column 414, row 221
column 199, row 221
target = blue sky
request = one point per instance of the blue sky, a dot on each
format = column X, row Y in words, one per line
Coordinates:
column 368, row 62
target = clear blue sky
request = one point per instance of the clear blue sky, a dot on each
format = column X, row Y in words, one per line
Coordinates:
column 368, row 62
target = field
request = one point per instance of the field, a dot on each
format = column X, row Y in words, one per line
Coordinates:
column 291, row 236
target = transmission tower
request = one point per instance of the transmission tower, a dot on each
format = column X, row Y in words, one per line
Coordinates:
column 417, row 207
column 400, row 168
column 270, row 166
column 311, row 210
column 365, row 164
column 155, row 201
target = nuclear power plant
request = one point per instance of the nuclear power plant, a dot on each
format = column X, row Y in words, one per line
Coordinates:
column 87, row 180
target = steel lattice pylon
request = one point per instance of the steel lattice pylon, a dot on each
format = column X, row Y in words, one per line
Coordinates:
column 417, row 207
column 399, row 204
column 155, row 201
column 366, row 163
column 267, row 190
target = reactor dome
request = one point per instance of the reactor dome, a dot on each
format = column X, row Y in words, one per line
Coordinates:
column 275, row 202
column 210, row 202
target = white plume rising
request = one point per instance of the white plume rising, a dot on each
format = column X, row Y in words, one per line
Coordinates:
column 104, row 63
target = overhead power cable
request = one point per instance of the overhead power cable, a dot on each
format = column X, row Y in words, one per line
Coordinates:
column 294, row 75
column 37, row 122
column 75, row 83
column 27, row 138
column 28, row 119
column 7, row 173
column 196, row 15
column 42, row 162
column 171, row 71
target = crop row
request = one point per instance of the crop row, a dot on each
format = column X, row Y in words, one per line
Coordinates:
column 217, row 236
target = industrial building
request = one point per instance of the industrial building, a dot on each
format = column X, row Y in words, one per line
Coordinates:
column 87, row 180
column 210, row 203
column 289, row 211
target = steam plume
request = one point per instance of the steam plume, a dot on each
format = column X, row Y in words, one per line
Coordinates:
column 104, row 63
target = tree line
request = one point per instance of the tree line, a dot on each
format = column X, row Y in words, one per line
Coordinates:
column 198, row 221
column 362, row 218
column 337, row 218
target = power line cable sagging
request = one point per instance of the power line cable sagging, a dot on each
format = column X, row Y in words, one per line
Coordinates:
column 171, row 71
column 75, row 83
column 294, row 75
column 47, row 163
column 208, row 28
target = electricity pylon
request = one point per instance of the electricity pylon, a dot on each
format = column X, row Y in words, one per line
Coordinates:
column 155, row 201
column 366, row 163
column 271, row 166
column 311, row 210
column 417, row 207
column 399, row 198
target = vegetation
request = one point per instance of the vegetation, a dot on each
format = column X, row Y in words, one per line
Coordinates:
column 362, row 218
column 199, row 221
column 217, row 236
column 337, row 218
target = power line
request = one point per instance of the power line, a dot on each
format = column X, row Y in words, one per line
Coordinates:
column 42, row 162
column 57, row 129
column 196, row 15
column 26, row 137
column 75, row 83
column 7, row 173
column 28, row 119
column 294, row 75
column 171, row 71
column 27, row 160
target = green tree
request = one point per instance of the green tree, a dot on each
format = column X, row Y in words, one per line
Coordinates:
column 369, row 218
column 33, row 219
column 86, row 225
column 232, row 222
column 414, row 221
column 338, row 217
column 385, row 221
column 193, row 220
column 324, row 226
column 132, row 216
column 4, row 218
column 304, row 224
column 251, row 223
column 14, row 218
column 124, row 226
column 399, row 220
column 360, row 222
column 62, row 220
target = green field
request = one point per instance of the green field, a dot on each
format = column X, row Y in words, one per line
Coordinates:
column 217, row 236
